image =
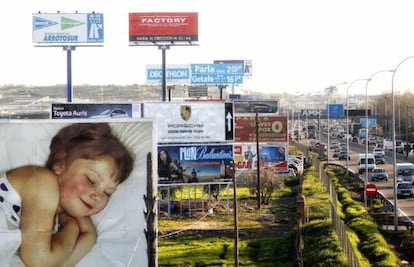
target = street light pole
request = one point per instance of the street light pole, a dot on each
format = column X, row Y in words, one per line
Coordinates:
column 330, row 88
column 367, row 131
column 394, row 154
column 347, row 124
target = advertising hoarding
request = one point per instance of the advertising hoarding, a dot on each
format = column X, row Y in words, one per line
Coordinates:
column 119, row 230
column 216, row 73
column 194, row 163
column 272, row 156
column 68, row 28
column 196, row 74
column 187, row 122
column 272, row 129
column 95, row 111
column 261, row 106
column 155, row 27
column 175, row 74
column 247, row 65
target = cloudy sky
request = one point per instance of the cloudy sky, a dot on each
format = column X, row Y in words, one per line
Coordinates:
column 296, row 46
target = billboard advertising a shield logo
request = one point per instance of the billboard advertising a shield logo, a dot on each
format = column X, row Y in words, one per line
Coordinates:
column 185, row 112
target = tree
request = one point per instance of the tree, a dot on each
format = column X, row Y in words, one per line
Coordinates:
column 270, row 181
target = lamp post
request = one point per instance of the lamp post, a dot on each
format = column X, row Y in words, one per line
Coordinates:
column 347, row 123
column 367, row 130
column 394, row 154
column 330, row 88
column 406, row 131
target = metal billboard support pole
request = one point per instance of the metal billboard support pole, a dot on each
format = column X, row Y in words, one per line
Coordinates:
column 258, row 161
column 69, row 88
column 164, row 71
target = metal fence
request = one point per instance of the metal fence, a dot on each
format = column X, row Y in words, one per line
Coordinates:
column 186, row 199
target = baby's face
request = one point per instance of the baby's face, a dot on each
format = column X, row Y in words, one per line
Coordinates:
column 86, row 185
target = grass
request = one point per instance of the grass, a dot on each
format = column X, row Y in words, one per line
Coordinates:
column 208, row 240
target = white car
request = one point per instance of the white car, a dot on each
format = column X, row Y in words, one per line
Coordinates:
column 378, row 151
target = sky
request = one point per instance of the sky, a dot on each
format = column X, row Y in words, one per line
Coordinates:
column 296, row 46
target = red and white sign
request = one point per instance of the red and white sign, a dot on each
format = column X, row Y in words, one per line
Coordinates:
column 163, row 27
column 271, row 129
column 371, row 190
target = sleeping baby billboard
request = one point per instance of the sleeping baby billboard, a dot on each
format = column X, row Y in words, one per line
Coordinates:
column 83, row 182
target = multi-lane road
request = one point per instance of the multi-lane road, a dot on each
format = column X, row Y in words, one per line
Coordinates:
column 386, row 188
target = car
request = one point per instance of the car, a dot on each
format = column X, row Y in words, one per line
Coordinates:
column 366, row 161
column 336, row 152
column 407, row 175
column 111, row 113
column 335, row 143
column 405, row 189
column 379, row 174
column 379, row 159
column 343, row 154
column 378, row 151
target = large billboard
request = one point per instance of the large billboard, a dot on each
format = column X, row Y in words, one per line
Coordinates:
column 187, row 122
column 194, row 163
column 119, row 225
column 196, row 74
column 272, row 129
column 68, row 28
column 155, row 27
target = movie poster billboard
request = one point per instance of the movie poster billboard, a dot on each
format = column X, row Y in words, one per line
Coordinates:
column 194, row 163
column 95, row 111
column 272, row 129
column 272, row 156
column 187, row 122
column 119, row 230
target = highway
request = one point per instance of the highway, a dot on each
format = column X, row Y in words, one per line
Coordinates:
column 405, row 205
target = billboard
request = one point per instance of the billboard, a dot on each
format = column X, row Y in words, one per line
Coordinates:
column 175, row 74
column 216, row 73
column 196, row 74
column 247, row 65
column 68, row 28
column 261, row 106
column 155, row 27
column 26, row 142
column 95, row 111
column 272, row 156
column 272, row 129
column 194, row 163
column 187, row 122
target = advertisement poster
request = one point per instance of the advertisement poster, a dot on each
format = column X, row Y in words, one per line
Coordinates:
column 156, row 27
column 119, row 225
column 271, row 157
column 272, row 129
column 187, row 122
column 65, row 28
column 194, row 163
column 95, row 111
